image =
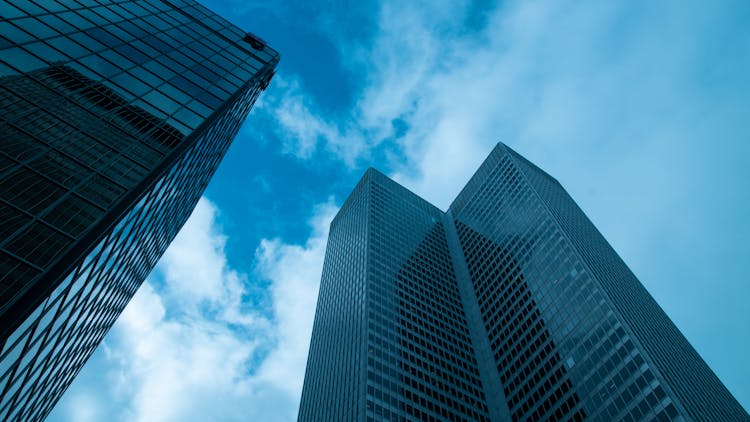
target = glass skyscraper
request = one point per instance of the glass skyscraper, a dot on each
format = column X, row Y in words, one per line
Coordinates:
column 510, row 306
column 114, row 115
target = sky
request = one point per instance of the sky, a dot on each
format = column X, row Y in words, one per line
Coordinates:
column 639, row 108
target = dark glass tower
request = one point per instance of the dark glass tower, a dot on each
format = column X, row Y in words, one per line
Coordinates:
column 113, row 117
column 510, row 306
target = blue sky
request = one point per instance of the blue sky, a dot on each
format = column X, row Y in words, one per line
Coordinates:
column 639, row 108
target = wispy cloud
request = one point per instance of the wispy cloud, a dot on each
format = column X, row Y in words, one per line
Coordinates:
column 302, row 128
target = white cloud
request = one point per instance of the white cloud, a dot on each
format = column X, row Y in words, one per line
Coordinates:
column 84, row 408
column 187, row 348
column 294, row 271
column 303, row 130
column 197, row 277
column 183, row 369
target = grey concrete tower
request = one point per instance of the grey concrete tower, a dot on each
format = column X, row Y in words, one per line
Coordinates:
column 510, row 306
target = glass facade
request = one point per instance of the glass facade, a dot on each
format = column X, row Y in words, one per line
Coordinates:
column 510, row 306
column 113, row 116
column 390, row 340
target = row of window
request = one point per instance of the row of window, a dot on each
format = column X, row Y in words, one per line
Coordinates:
column 332, row 385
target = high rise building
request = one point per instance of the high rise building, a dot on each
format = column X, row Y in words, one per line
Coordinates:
column 113, row 117
column 510, row 306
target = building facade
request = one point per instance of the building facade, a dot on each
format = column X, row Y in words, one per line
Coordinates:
column 510, row 306
column 114, row 115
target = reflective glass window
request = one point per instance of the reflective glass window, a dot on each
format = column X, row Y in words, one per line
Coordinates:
column 36, row 28
column 68, row 47
column 8, row 11
column 76, row 20
column 57, row 23
column 14, row 34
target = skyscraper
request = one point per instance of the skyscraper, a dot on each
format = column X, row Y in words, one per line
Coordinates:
column 509, row 306
column 113, row 117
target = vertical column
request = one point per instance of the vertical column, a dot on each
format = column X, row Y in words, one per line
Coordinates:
column 496, row 400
